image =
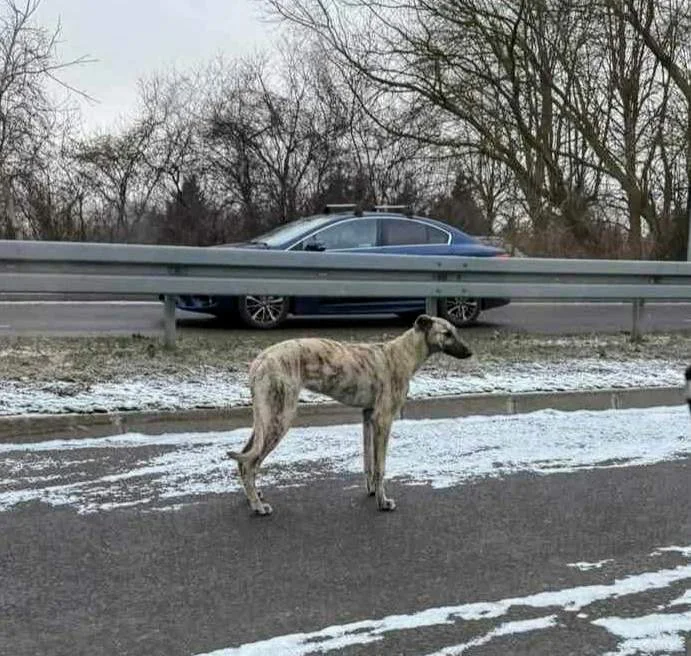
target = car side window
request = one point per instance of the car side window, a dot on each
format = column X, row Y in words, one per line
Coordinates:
column 356, row 233
column 399, row 232
column 436, row 236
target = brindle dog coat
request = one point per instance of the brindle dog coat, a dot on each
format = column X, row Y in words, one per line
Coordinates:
column 374, row 377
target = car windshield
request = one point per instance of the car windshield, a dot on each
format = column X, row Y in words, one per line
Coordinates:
column 290, row 231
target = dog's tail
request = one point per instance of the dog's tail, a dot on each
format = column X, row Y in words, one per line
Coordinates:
column 688, row 386
column 251, row 451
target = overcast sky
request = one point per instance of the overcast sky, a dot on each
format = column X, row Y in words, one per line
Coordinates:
column 134, row 38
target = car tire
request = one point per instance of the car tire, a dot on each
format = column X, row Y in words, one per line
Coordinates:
column 263, row 312
column 460, row 310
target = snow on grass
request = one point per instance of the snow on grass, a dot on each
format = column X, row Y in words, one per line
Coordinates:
column 215, row 389
column 163, row 470
column 659, row 633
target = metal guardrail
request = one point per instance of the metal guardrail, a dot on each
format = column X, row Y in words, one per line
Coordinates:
column 76, row 267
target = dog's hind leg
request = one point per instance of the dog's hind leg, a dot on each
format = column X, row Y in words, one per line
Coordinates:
column 242, row 467
column 278, row 425
column 381, row 428
column 368, row 450
column 271, row 422
column 248, row 474
column 249, row 458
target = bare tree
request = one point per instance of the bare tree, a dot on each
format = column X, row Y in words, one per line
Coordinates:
column 522, row 84
column 271, row 136
column 115, row 170
column 466, row 68
column 172, row 105
column 28, row 116
column 50, row 196
column 664, row 28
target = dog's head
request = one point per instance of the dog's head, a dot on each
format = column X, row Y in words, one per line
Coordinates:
column 441, row 336
column 688, row 386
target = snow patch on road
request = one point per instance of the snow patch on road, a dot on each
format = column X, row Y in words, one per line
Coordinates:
column 503, row 630
column 659, row 633
column 584, row 567
column 168, row 469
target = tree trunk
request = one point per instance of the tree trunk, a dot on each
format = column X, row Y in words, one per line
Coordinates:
column 8, row 210
column 635, row 208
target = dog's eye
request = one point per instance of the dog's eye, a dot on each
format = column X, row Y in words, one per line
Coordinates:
column 448, row 333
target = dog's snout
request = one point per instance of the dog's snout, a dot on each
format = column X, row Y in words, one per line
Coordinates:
column 459, row 350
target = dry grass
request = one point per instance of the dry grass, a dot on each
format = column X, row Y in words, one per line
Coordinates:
column 101, row 359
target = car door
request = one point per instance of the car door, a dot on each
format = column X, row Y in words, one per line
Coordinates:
column 409, row 236
column 352, row 235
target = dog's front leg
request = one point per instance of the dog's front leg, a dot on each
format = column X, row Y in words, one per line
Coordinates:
column 368, row 450
column 381, row 428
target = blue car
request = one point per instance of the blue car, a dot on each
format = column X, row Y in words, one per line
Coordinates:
column 349, row 230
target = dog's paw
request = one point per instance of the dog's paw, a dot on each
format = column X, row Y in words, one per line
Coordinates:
column 263, row 509
column 387, row 504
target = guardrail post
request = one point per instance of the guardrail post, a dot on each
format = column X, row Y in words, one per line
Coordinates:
column 169, row 321
column 636, row 334
column 431, row 306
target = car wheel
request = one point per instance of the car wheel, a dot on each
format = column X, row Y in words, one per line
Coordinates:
column 459, row 310
column 263, row 311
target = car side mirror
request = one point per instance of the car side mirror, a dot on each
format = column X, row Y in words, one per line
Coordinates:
column 315, row 246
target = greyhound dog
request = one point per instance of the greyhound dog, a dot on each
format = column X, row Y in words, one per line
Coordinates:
column 373, row 377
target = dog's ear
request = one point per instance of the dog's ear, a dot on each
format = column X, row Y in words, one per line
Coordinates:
column 423, row 323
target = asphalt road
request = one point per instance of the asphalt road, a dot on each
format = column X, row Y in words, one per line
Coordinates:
column 497, row 553
column 75, row 318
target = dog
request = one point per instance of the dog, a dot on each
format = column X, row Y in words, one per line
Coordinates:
column 688, row 386
column 374, row 377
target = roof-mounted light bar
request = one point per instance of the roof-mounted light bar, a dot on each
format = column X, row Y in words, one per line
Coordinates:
column 330, row 208
column 402, row 209
column 335, row 208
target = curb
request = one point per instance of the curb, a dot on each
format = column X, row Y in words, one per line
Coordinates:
column 36, row 428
